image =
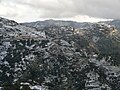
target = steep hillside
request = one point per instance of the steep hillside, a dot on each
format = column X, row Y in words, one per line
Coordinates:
column 59, row 57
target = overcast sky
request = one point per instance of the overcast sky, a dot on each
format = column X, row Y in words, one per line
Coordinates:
column 78, row 10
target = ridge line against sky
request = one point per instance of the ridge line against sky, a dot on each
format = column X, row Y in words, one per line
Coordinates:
column 75, row 10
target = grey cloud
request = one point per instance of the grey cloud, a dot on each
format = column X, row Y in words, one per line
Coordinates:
column 99, row 8
column 95, row 8
column 69, row 8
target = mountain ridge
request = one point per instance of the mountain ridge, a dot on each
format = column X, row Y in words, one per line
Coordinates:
column 59, row 57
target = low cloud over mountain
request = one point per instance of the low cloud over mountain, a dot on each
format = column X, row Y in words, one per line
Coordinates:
column 37, row 9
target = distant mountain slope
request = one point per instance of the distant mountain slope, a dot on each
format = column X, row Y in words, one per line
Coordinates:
column 115, row 23
column 48, row 23
column 59, row 56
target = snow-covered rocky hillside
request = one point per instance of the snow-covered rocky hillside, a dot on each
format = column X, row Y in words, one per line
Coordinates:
column 59, row 57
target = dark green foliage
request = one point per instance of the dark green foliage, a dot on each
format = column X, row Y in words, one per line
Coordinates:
column 8, row 86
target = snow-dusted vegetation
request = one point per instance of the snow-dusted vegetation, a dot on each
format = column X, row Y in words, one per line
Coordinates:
column 58, row 56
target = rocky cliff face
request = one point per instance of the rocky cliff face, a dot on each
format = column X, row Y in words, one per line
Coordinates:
column 59, row 57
